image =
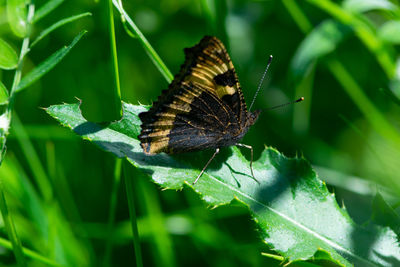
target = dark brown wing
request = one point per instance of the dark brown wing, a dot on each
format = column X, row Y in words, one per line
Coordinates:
column 202, row 104
column 209, row 66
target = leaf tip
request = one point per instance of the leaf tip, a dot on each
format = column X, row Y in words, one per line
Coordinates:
column 79, row 100
column 43, row 108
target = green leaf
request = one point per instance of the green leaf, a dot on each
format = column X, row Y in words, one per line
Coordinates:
column 394, row 84
column 17, row 15
column 46, row 9
column 363, row 30
column 367, row 5
column 390, row 32
column 320, row 42
column 58, row 24
column 354, row 184
column 296, row 214
column 47, row 65
column 384, row 215
column 3, row 94
column 8, row 57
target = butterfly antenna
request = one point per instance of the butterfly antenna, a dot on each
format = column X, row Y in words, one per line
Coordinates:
column 261, row 81
column 289, row 103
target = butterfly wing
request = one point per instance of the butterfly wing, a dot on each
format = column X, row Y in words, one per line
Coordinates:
column 202, row 104
column 209, row 66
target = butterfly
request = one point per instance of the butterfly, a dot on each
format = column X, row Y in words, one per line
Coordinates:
column 203, row 107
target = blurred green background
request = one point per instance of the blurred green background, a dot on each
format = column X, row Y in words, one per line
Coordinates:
column 340, row 55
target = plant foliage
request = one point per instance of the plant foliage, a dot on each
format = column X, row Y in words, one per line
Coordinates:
column 296, row 214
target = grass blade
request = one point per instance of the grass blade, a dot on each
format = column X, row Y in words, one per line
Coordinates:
column 363, row 32
column 58, row 24
column 46, row 9
column 209, row 14
column 148, row 48
column 48, row 64
column 351, row 87
column 297, row 15
column 132, row 213
column 33, row 159
column 111, row 212
column 30, row 254
column 114, row 107
column 162, row 245
column 302, row 113
column 371, row 113
column 10, row 228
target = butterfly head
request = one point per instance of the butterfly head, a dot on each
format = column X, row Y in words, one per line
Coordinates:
column 252, row 117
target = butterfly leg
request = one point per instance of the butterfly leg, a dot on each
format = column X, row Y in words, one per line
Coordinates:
column 205, row 167
column 251, row 158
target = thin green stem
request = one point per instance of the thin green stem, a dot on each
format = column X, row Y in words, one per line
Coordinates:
column 30, row 253
column 147, row 47
column 297, row 15
column 132, row 213
column 17, row 77
column 16, row 80
column 111, row 213
column 364, row 33
column 8, row 221
column 273, row 256
column 151, row 206
column 301, row 113
column 220, row 20
column 18, row 72
column 33, row 160
column 351, row 87
column 371, row 113
column 10, row 228
column 66, row 201
column 209, row 14
column 117, row 109
column 367, row 142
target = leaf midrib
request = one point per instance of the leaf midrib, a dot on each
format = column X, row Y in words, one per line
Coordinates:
column 285, row 217
column 299, row 225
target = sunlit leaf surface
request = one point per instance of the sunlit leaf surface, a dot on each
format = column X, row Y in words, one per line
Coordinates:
column 296, row 214
column 390, row 32
column 17, row 15
column 3, row 94
column 368, row 5
column 8, row 57
column 327, row 35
